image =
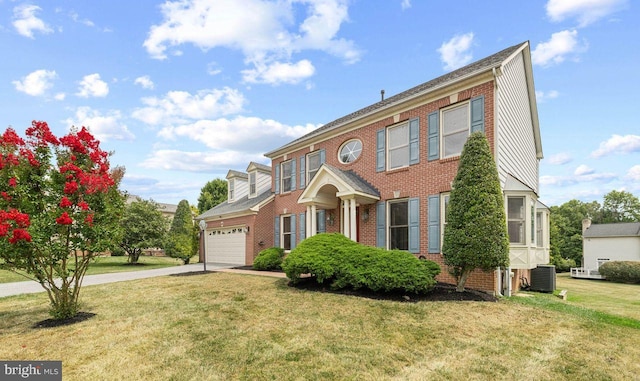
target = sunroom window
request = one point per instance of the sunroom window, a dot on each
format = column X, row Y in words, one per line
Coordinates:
column 516, row 219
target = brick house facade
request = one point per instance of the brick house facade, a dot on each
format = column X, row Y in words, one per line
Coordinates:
column 381, row 175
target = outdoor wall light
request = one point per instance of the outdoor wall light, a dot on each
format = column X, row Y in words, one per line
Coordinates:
column 365, row 215
column 331, row 218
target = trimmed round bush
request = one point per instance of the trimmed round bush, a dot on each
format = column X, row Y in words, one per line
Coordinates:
column 621, row 271
column 342, row 263
column 269, row 259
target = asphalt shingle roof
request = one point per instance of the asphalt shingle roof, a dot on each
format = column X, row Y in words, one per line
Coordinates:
column 482, row 65
column 241, row 205
column 623, row 229
column 354, row 180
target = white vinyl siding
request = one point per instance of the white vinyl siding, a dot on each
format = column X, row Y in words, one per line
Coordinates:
column 516, row 151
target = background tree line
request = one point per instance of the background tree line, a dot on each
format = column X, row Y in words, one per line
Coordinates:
column 566, row 224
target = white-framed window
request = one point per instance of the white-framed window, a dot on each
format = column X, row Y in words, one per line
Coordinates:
column 533, row 224
column 456, row 123
column 516, row 219
column 444, row 208
column 313, row 164
column 285, row 230
column 539, row 227
column 231, row 189
column 399, row 225
column 252, row 184
column 286, row 169
column 350, row 151
column 398, row 146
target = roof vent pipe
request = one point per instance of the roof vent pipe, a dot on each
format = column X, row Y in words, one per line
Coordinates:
column 382, row 95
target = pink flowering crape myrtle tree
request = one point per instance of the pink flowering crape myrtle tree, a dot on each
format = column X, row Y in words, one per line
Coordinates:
column 59, row 207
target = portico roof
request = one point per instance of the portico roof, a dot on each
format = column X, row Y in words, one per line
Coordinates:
column 330, row 183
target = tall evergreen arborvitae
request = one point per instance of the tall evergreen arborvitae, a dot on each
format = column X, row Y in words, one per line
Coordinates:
column 181, row 234
column 475, row 236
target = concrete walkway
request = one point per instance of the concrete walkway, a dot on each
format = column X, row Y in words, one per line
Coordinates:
column 30, row 287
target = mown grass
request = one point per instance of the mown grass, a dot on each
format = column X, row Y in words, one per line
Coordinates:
column 103, row 265
column 222, row 326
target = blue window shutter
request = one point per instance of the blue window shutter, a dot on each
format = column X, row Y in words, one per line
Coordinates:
column 293, row 231
column 303, row 176
column 380, row 151
column 322, row 227
column 323, row 156
column 303, row 226
column 414, row 141
column 414, row 225
column 477, row 114
column 293, row 175
column 434, row 136
column 434, row 224
column 276, row 231
column 381, row 224
column 277, row 179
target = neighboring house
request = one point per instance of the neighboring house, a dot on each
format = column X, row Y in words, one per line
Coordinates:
column 602, row 243
column 382, row 175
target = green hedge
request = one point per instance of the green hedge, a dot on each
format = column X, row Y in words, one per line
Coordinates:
column 269, row 259
column 621, row 271
column 342, row 263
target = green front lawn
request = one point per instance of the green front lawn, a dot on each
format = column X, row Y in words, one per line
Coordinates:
column 222, row 326
column 103, row 265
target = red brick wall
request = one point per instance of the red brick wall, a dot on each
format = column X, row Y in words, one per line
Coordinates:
column 420, row 180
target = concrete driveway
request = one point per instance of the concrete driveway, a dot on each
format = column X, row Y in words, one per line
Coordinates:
column 30, row 287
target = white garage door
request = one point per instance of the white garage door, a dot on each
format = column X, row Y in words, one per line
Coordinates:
column 226, row 245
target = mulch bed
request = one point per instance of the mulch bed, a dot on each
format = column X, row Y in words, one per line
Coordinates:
column 51, row 323
column 442, row 292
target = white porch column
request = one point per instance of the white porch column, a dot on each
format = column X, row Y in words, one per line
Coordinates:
column 341, row 207
column 314, row 227
column 352, row 219
column 308, row 221
column 346, row 231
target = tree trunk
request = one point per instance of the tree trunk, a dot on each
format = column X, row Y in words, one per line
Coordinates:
column 462, row 280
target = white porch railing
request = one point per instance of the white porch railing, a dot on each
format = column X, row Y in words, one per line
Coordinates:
column 581, row 272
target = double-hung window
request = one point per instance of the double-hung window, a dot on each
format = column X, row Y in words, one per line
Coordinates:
column 231, row 189
column 399, row 225
column 252, row 184
column 286, row 232
column 313, row 164
column 398, row 146
column 287, row 171
column 516, row 219
column 455, row 129
column 539, row 237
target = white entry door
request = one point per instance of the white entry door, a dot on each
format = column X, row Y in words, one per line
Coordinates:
column 226, row 245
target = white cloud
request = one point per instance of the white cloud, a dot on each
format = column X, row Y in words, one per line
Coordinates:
column 560, row 158
column 103, row 127
column 248, row 134
column 213, row 69
column 92, row 86
column 198, row 161
column 583, row 170
column 542, row 96
column 76, row 18
column 585, row 11
column 277, row 73
column 555, row 50
column 60, row 96
column 144, row 81
column 405, row 4
column 36, row 83
column 26, row 22
column 181, row 106
column 634, row 173
column 265, row 31
column 455, row 52
column 618, row 144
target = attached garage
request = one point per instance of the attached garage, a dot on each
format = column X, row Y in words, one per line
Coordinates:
column 226, row 245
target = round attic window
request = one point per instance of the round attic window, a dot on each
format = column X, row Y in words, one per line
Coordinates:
column 350, row 151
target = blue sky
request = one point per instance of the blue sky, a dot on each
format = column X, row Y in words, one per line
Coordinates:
column 182, row 91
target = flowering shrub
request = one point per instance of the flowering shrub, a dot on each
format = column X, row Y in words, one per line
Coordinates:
column 59, row 205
